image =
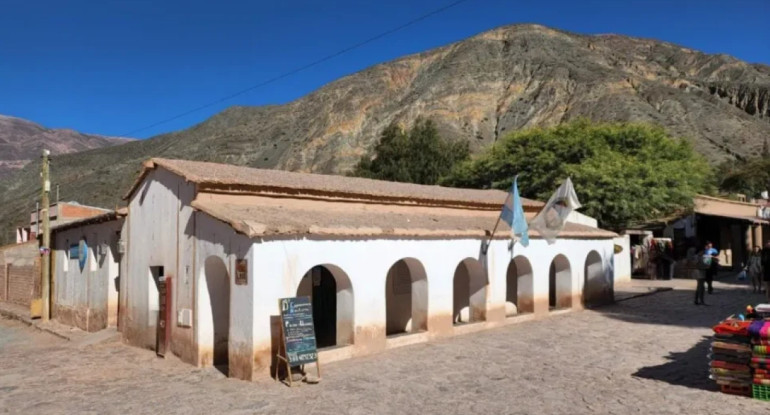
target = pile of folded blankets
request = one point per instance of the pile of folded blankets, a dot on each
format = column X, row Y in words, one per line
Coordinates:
column 760, row 357
column 731, row 357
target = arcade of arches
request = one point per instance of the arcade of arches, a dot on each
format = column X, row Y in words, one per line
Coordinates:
column 560, row 283
column 331, row 294
column 470, row 292
column 519, row 289
column 406, row 298
column 596, row 288
column 406, row 294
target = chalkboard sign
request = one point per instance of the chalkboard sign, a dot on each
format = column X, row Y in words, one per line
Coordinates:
column 298, row 330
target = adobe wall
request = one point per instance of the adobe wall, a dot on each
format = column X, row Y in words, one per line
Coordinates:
column 159, row 233
column 87, row 297
column 217, row 245
column 20, row 273
column 279, row 267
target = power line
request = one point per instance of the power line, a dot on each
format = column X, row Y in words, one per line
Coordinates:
column 299, row 69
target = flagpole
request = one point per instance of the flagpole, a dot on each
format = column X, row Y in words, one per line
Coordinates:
column 486, row 248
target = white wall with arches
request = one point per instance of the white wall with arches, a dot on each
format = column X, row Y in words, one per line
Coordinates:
column 280, row 265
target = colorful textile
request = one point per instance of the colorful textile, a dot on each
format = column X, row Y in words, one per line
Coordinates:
column 762, row 382
column 761, row 350
column 760, row 329
column 734, row 353
column 724, row 373
column 760, row 360
column 743, row 380
column 762, row 308
column 731, row 346
column 744, row 366
column 760, row 342
column 729, row 359
column 735, row 327
column 732, row 338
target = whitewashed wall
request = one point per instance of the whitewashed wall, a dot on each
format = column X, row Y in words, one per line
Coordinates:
column 87, row 298
column 160, row 232
column 217, row 240
column 280, row 265
column 622, row 261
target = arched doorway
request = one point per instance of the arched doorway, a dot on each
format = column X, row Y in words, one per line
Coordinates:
column 519, row 291
column 214, row 311
column 470, row 292
column 595, row 287
column 331, row 294
column 560, row 283
column 406, row 298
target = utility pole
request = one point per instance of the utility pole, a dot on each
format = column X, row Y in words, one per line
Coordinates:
column 45, row 249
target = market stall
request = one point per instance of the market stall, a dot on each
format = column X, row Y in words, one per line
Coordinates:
column 739, row 359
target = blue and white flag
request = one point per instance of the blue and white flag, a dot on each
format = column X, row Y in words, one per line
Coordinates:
column 551, row 220
column 513, row 215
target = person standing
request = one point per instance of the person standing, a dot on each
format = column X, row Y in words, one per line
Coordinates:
column 698, row 268
column 711, row 272
column 754, row 269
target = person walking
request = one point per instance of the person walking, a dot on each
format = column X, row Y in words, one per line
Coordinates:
column 711, row 272
column 754, row 269
column 766, row 268
column 698, row 266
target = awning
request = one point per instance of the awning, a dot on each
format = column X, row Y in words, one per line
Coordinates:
column 752, row 219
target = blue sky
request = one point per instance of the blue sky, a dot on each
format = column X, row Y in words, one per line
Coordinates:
column 110, row 67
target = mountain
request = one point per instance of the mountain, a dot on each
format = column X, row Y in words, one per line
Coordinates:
column 477, row 89
column 22, row 141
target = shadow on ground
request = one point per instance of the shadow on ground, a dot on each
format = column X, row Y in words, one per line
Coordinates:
column 689, row 368
column 677, row 307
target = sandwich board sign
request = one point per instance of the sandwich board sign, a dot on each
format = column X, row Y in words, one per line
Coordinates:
column 297, row 334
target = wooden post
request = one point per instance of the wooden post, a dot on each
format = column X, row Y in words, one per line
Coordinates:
column 46, row 241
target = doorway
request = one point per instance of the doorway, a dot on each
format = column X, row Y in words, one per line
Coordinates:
column 331, row 295
column 215, row 312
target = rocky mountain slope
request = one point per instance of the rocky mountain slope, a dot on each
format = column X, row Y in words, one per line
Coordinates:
column 478, row 90
column 21, row 141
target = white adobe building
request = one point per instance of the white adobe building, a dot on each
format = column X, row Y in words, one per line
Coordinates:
column 210, row 249
column 85, row 267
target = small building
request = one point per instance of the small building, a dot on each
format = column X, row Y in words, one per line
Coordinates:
column 210, row 249
column 85, row 270
column 58, row 214
column 733, row 226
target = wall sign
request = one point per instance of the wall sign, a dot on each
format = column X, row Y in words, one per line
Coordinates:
column 82, row 253
column 241, row 272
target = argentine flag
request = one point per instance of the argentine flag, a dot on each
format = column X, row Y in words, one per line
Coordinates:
column 513, row 215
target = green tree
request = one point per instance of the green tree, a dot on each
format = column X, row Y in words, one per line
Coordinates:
column 417, row 156
column 623, row 173
column 750, row 177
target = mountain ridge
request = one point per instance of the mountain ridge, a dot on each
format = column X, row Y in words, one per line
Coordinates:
column 477, row 89
column 22, row 141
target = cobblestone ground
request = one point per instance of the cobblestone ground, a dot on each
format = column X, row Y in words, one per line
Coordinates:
column 646, row 355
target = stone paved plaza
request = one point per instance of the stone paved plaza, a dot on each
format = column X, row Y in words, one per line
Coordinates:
column 646, row 355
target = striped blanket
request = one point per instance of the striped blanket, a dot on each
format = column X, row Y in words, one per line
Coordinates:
column 731, row 346
column 719, row 364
